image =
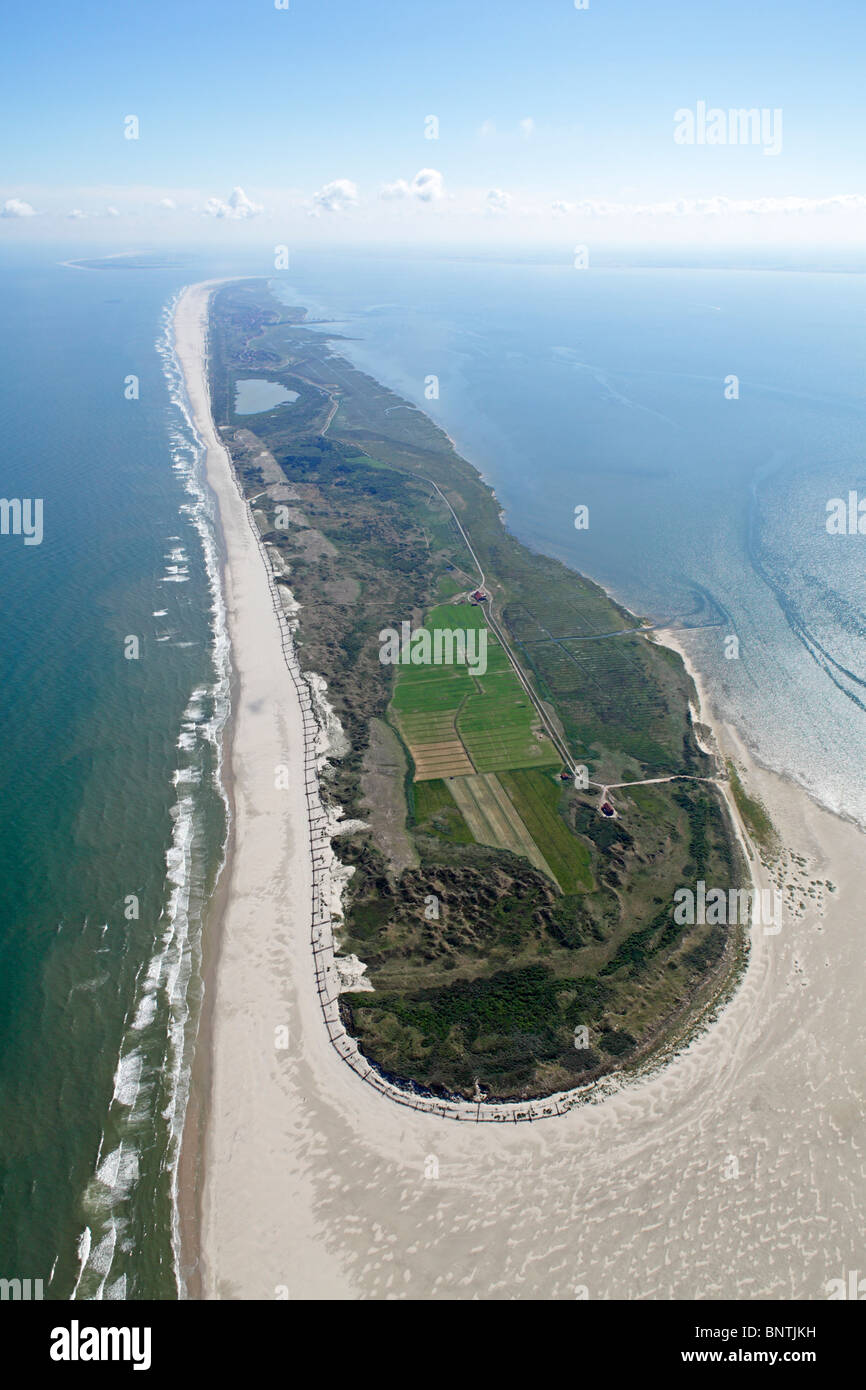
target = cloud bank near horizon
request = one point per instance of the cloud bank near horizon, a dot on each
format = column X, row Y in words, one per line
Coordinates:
column 425, row 206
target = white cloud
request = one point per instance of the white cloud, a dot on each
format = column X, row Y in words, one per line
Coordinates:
column 15, row 207
column 398, row 189
column 111, row 212
column 428, row 185
column 498, row 200
column 76, row 214
column 337, row 196
column 560, row 209
column 487, row 129
column 168, row 203
column 238, row 207
column 527, row 127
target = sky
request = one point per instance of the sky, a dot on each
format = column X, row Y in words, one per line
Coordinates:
column 434, row 121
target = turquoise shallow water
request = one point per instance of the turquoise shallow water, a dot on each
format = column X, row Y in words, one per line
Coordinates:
column 604, row 389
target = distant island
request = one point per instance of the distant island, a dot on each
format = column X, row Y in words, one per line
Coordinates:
column 128, row 260
column 525, row 786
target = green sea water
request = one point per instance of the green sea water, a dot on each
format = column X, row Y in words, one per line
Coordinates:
column 112, row 822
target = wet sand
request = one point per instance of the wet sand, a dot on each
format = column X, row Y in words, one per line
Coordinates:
column 736, row 1171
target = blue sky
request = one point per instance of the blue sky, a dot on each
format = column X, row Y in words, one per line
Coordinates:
column 549, row 118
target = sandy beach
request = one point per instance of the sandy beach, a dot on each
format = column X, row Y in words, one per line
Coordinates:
column 737, row 1171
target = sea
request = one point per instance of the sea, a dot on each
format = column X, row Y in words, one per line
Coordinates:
column 677, row 434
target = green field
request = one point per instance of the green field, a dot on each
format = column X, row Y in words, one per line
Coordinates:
column 436, row 813
column 490, row 714
column 430, row 798
column 498, row 724
column 430, row 687
column 494, row 820
column 536, row 796
column 460, row 726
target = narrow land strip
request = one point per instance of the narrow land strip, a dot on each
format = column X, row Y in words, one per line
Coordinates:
column 318, row 1187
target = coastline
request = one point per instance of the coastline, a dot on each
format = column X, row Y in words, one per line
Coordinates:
column 259, row 923
column 271, row 1108
column 722, row 737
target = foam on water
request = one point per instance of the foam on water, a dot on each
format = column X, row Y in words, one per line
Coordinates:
column 151, row 1080
column 84, row 1243
column 127, row 1079
column 201, row 509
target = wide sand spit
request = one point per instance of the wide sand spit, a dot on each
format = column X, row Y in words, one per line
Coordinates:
column 734, row 1171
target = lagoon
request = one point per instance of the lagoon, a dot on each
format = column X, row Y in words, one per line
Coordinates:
column 254, row 395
